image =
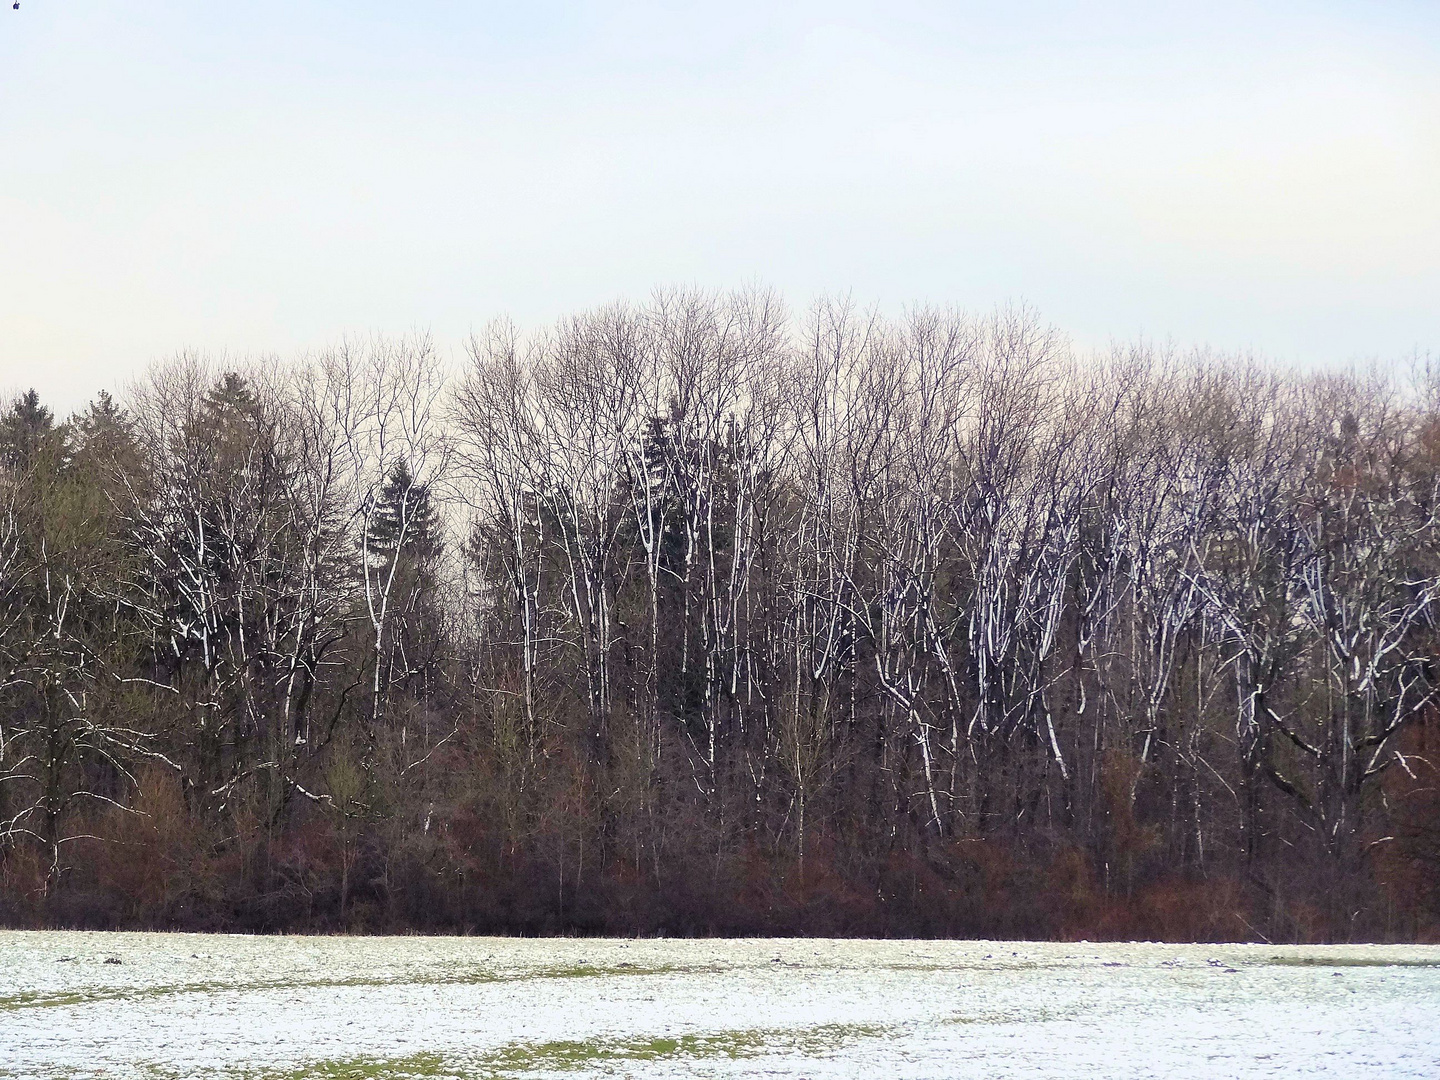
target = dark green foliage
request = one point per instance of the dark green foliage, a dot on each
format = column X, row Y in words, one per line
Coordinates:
column 27, row 431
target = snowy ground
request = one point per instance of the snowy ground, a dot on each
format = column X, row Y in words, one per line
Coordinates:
column 182, row 1005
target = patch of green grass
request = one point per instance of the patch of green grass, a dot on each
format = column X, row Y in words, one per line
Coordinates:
column 413, row 1067
column 567, row 1054
column 1350, row 962
column 522, row 1059
column 38, row 999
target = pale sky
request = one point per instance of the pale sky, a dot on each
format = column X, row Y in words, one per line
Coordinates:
column 264, row 177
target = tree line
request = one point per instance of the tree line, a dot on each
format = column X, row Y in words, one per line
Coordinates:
column 696, row 616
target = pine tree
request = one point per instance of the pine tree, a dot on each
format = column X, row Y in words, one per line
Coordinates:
column 231, row 397
column 25, row 430
column 404, row 520
column 103, row 435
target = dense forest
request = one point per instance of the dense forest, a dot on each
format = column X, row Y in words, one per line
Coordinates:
column 701, row 617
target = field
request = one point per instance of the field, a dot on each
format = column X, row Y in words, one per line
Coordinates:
column 185, row 1005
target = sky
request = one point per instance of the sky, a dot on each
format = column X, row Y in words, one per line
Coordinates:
column 261, row 178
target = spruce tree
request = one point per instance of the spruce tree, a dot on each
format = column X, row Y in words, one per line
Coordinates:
column 25, row 429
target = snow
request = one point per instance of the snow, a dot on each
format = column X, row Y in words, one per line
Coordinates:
column 210, row 1005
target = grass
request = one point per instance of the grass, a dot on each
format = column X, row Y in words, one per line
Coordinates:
column 521, row 1059
column 1350, row 962
column 39, row 999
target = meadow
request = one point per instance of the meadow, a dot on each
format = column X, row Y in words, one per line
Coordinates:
column 76, row 1004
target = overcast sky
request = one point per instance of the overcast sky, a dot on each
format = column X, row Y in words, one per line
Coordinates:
column 262, row 177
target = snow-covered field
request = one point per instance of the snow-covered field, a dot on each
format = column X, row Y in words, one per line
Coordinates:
column 182, row 1005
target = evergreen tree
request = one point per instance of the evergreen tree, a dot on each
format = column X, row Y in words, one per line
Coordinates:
column 404, row 520
column 25, row 430
column 103, row 436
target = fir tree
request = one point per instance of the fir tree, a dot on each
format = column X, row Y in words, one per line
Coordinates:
column 25, row 430
column 404, row 519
